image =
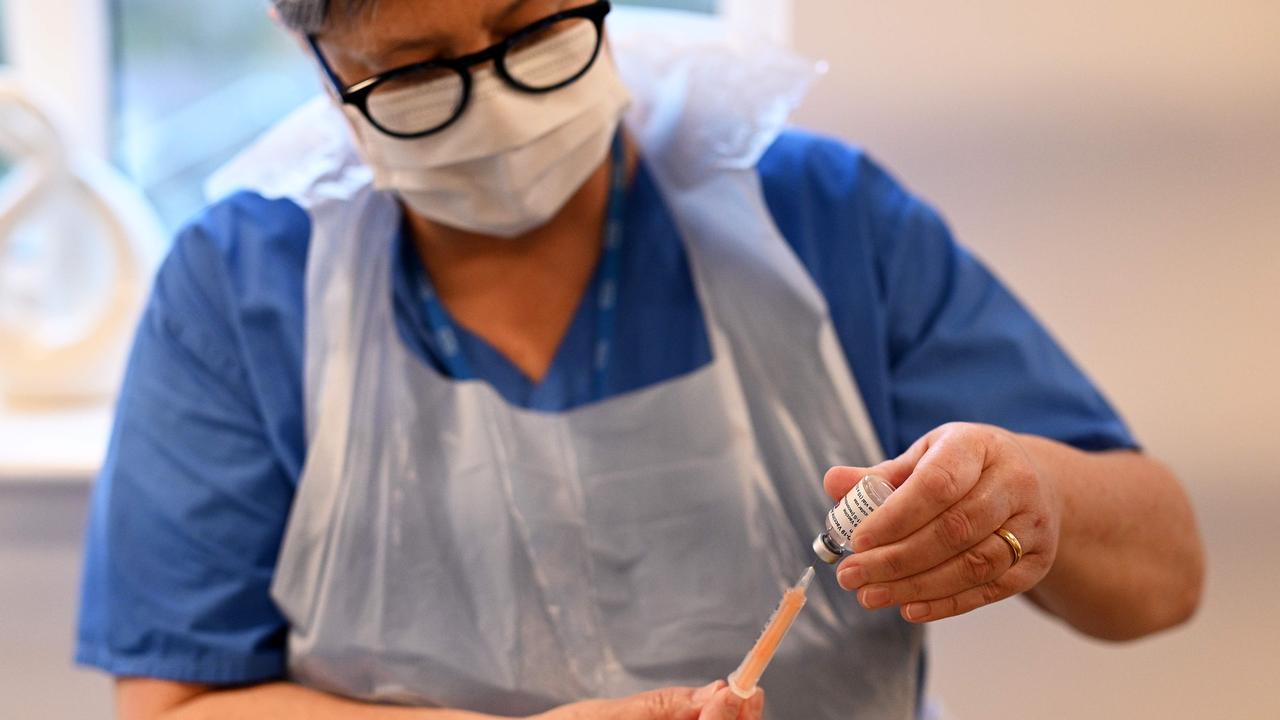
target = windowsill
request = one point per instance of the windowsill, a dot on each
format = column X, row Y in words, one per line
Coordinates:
column 53, row 446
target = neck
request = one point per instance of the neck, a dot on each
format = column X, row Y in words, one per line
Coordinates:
column 520, row 294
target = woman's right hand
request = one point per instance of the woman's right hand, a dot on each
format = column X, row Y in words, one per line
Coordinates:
column 711, row 702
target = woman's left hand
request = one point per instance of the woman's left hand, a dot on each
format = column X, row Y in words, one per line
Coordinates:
column 931, row 548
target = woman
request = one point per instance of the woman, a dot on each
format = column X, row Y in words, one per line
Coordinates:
column 509, row 407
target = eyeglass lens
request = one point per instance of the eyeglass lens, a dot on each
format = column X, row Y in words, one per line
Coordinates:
column 425, row 100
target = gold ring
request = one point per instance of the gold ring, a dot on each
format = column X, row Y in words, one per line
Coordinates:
column 1014, row 545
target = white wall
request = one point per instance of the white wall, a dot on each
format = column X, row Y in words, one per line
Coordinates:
column 41, row 526
column 1118, row 163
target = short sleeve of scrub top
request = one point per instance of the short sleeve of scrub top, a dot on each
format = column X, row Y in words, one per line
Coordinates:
column 188, row 511
column 932, row 335
column 190, row 507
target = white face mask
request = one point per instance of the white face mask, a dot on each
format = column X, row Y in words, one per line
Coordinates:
column 511, row 161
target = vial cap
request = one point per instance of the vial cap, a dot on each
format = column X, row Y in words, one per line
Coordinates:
column 823, row 552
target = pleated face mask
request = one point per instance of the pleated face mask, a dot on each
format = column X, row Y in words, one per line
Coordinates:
column 513, row 158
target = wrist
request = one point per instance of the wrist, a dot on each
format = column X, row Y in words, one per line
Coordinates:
column 1058, row 477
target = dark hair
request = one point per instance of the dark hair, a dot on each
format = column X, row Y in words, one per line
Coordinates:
column 312, row 16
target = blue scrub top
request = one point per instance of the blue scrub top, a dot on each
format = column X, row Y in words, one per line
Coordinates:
column 190, row 508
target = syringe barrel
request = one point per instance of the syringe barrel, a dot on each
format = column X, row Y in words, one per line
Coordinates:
column 743, row 680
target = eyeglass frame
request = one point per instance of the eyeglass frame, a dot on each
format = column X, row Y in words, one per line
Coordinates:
column 358, row 94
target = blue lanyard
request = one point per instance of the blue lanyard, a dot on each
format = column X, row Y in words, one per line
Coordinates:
column 446, row 336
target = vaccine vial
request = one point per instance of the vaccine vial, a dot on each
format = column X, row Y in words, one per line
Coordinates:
column 837, row 540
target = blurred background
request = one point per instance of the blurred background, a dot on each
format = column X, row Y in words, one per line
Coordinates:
column 1117, row 163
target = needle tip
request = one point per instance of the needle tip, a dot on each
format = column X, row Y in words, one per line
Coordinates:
column 806, row 578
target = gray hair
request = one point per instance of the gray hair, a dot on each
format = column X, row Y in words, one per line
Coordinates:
column 312, row 16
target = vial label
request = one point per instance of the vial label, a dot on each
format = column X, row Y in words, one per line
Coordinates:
column 849, row 513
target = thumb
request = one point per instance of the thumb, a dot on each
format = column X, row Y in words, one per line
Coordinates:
column 724, row 705
column 840, row 480
column 704, row 693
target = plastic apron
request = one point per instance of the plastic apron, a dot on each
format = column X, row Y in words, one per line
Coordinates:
column 445, row 548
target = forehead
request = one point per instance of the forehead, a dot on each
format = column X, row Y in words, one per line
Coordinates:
column 379, row 22
column 390, row 33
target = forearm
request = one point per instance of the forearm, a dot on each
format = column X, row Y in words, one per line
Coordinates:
column 158, row 700
column 1129, row 558
column 146, row 699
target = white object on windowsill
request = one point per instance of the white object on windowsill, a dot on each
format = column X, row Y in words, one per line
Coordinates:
column 77, row 248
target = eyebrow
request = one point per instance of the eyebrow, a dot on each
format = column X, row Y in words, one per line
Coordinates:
column 510, row 9
column 430, row 41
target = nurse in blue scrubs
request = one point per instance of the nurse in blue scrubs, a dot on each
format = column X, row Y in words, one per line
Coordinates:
column 520, row 372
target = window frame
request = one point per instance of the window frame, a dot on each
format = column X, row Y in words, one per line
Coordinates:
column 61, row 50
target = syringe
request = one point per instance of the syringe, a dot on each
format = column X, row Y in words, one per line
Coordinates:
column 743, row 680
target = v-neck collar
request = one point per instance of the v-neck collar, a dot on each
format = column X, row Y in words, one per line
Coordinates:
column 660, row 330
column 564, row 377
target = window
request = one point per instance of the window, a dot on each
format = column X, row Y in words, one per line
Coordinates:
column 193, row 86
column 3, row 31
column 5, row 163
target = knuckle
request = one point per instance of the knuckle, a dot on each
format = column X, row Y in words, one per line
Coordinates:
column 995, row 436
column 1003, row 440
column 951, row 606
column 1023, row 476
column 972, row 432
column 955, row 528
column 990, row 593
column 940, row 482
column 976, row 568
column 917, row 587
column 1037, row 564
column 659, row 702
column 894, row 564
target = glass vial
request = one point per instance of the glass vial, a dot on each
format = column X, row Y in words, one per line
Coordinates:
column 837, row 540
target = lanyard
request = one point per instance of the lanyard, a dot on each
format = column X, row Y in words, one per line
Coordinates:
column 446, row 336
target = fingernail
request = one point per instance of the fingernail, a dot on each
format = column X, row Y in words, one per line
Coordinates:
column 705, row 692
column 863, row 543
column 852, row 578
column 875, row 597
column 917, row 610
column 733, row 703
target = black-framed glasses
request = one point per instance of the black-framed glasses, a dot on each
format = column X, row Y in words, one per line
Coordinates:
column 417, row 100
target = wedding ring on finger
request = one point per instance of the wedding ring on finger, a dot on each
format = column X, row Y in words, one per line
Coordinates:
column 1014, row 545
